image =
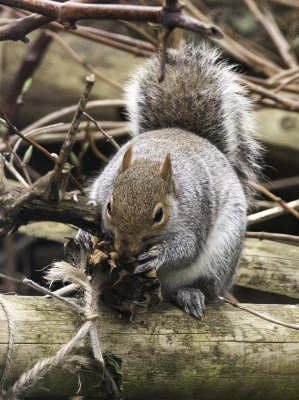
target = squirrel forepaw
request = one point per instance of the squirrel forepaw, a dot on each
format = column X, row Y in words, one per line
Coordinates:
column 192, row 301
column 152, row 259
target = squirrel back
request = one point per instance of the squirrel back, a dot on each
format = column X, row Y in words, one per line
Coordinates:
column 199, row 94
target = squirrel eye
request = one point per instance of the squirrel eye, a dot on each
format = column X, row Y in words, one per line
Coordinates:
column 109, row 208
column 159, row 215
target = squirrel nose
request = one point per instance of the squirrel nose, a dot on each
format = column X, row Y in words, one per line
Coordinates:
column 125, row 248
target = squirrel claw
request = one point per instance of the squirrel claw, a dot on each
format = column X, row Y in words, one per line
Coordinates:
column 143, row 268
column 151, row 259
column 192, row 301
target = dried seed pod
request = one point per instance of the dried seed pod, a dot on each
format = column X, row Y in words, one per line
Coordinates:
column 119, row 288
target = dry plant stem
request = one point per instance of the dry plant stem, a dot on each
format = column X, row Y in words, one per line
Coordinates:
column 36, row 145
column 282, row 183
column 165, row 36
column 136, row 43
column 9, row 278
column 232, row 46
column 95, row 149
column 140, row 31
column 3, row 180
column 31, row 142
column 247, row 309
column 288, row 103
column 34, row 133
column 275, row 237
column 70, row 109
column 264, row 82
column 61, row 113
column 108, row 137
column 273, row 79
column 272, row 196
column 65, row 290
column 69, row 12
column 48, row 292
column 283, row 84
column 54, row 135
column 15, row 173
column 291, row 3
column 271, row 213
column 90, row 33
column 83, row 62
column 267, row 20
column 21, row 163
column 28, row 140
column 30, row 62
column 70, row 140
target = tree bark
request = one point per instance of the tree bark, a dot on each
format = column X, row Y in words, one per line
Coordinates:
column 166, row 353
column 270, row 267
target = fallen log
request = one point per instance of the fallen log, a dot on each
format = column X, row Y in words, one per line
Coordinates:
column 165, row 353
column 270, row 267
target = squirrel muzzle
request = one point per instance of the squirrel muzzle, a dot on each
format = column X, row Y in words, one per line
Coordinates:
column 126, row 248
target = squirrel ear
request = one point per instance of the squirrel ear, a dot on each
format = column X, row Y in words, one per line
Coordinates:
column 127, row 158
column 166, row 169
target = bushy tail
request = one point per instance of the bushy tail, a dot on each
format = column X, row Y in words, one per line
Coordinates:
column 199, row 94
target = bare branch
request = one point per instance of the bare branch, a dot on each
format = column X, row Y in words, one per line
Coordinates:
column 285, row 101
column 277, row 199
column 268, row 21
column 69, row 12
column 70, row 140
column 271, row 213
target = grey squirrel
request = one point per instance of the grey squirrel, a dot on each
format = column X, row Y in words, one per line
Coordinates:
column 178, row 185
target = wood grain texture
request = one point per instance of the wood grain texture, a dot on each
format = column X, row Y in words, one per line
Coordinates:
column 270, row 267
column 166, row 354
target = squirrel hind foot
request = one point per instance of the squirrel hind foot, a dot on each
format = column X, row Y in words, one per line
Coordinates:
column 191, row 300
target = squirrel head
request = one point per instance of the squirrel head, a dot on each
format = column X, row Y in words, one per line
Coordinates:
column 140, row 205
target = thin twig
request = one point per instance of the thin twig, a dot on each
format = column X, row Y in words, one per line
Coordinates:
column 9, row 278
column 288, row 103
column 268, row 21
column 28, row 140
column 164, row 38
column 283, row 74
column 275, row 237
column 70, row 140
column 271, row 213
column 108, row 137
column 136, row 47
column 139, row 30
column 282, row 183
column 94, row 148
column 21, row 163
column 70, row 109
column 232, row 46
column 83, row 62
column 285, row 83
column 258, row 314
column 48, row 292
column 272, row 196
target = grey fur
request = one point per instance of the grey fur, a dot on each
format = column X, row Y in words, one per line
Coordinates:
column 199, row 94
column 201, row 117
